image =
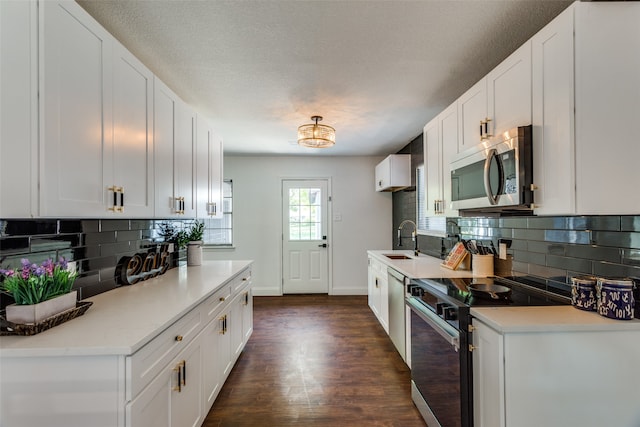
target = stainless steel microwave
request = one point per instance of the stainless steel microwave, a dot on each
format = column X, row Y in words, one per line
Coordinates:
column 496, row 175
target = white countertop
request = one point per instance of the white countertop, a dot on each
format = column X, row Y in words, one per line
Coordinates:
column 122, row 320
column 563, row 318
column 420, row 267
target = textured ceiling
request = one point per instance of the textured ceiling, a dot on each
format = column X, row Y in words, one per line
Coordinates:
column 377, row 71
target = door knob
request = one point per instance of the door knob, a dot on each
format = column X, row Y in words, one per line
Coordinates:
column 324, row 245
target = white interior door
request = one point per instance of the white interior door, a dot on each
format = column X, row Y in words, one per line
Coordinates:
column 305, row 266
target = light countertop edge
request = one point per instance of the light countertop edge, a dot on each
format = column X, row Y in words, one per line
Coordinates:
column 420, row 267
column 124, row 319
column 564, row 318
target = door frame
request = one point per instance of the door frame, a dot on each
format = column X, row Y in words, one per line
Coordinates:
column 329, row 228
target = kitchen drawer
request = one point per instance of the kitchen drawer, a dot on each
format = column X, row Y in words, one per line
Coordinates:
column 240, row 281
column 215, row 303
column 151, row 359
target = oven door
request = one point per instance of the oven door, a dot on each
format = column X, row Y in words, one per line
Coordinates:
column 439, row 371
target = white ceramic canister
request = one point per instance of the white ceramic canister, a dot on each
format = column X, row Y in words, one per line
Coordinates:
column 615, row 298
column 482, row 265
column 583, row 292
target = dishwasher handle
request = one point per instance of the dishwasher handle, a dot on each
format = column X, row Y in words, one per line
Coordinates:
column 446, row 331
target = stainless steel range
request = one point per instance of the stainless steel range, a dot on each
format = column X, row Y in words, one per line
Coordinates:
column 441, row 366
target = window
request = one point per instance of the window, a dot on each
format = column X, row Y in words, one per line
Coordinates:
column 219, row 231
column 305, row 221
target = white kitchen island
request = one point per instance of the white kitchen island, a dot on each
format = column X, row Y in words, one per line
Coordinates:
column 555, row 367
column 152, row 354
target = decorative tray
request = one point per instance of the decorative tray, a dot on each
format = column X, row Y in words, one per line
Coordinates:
column 9, row 328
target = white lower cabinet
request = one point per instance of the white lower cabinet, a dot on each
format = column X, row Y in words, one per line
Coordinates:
column 555, row 378
column 171, row 381
column 379, row 292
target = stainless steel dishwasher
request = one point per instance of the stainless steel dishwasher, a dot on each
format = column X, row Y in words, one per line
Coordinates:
column 396, row 311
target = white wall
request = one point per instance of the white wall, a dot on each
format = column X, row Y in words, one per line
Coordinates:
column 366, row 216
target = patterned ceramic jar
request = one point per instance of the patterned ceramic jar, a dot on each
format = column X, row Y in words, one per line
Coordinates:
column 615, row 298
column 583, row 293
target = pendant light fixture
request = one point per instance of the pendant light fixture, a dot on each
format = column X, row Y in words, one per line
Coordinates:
column 315, row 135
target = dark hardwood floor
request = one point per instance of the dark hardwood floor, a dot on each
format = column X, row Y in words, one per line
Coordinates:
column 316, row 360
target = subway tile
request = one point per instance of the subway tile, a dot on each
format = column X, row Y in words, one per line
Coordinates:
column 568, row 236
column 631, row 257
column 547, row 272
column 141, row 224
column 594, row 223
column 94, row 264
column 525, row 234
column 107, row 274
column 605, row 269
column 60, row 241
column 114, row 224
column 98, row 238
column 546, row 248
column 97, row 288
column 520, row 267
column 599, row 253
column 547, row 223
column 575, row 264
column 529, row 257
column 86, row 279
column 559, row 287
column 29, row 227
column 518, row 245
column 79, row 226
column 122, row 236
column 630, row 223
column 620, row 240
column 114, row 248
column 519, row 222
column 14, row 245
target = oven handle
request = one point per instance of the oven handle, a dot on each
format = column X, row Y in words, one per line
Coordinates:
column 448, row 332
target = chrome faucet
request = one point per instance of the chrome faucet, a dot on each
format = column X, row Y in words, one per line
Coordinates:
column 414, row 236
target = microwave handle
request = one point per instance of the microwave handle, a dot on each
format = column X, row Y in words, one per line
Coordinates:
column 487, row 173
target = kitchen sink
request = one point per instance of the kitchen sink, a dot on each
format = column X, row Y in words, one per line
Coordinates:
column 397, row 256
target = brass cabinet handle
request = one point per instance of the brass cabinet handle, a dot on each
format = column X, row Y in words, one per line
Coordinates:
column 178, row 369
column 221, row 298
column 179, row 337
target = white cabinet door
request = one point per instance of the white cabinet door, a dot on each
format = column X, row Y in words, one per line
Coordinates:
column 374, row 288
column 186, row 397
column 431, row 136
column 553, row 117
column 488, row 377
column 234, row 326
column 164, row 110
column 472, row 109
column 448, row 148
column 509, row 92
column 211, row 374
column 393, row 173
column 151, row 406
column 208, row 171
column 18, row 108
column 607, row 81
column 183, row 160
column 132, row 133
column 75, row 111
column 247, row 315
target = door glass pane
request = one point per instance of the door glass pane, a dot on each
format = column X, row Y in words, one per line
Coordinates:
column 305, row 219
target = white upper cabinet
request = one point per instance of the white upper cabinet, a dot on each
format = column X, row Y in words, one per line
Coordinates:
column 208, row 171
column 174, row 144
column 18, row 109
column 440, row 144
column 184, row 159
column 607, row 101
column 472, row 111
column 553, row 117
column 509, row 92
column 132, row 135
column 499, row 102
column 586, row 101
column 75, row 111
column 394, row 173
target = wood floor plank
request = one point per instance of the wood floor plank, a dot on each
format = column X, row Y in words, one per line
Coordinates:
column 316, row 360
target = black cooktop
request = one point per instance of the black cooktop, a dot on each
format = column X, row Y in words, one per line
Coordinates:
column 518, row 294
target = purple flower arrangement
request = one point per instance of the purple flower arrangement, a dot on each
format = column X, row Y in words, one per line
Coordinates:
column 35, row 283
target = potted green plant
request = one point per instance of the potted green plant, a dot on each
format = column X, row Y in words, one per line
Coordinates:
column 193, row 236
column 39, row 291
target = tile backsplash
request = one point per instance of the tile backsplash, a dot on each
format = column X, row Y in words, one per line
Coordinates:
column 95, row 245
